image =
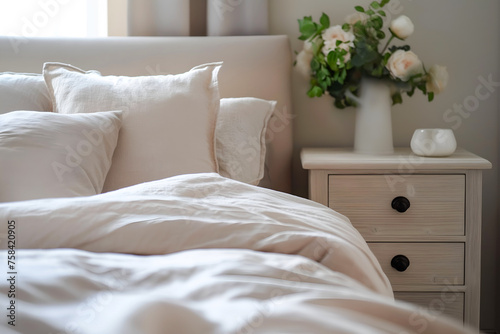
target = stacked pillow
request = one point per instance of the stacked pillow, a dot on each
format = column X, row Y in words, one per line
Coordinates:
column 23, row 91
column 168, row 122
column 165, row 125
column 241, row 138
column 53, row 155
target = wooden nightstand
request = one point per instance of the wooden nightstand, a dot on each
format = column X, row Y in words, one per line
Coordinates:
column 420, row 216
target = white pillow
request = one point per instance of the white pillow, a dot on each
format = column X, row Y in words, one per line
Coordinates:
column 23, row 91
column 44, row 154
column 241, row 138
column 168, row 121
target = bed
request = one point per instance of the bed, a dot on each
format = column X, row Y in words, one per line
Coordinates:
column 144, row 188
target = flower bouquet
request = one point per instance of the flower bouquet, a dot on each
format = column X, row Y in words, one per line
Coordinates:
column 337, row 58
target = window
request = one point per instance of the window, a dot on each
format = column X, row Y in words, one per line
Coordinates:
column 53, row 18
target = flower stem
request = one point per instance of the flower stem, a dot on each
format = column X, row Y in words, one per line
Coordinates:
column 388, row 42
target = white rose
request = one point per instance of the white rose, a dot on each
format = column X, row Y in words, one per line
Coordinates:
column 402, row 27
column 438, row 79
column 338, row 34
column 355, row 17
column 404, row 64
column 334, row 34
column 303, row 63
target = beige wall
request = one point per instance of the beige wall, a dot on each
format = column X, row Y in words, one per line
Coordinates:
column 461, row 34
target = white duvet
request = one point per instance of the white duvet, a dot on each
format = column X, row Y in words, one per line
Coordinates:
column 196, row 254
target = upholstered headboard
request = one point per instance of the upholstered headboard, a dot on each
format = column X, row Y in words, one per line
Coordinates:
column 256, row 66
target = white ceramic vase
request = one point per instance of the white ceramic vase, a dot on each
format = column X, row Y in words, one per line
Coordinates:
column 373, row 132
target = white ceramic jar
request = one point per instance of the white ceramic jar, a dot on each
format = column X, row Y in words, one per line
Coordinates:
column 433, row 142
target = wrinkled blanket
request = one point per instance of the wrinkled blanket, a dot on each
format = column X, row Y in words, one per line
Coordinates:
column 195, row 254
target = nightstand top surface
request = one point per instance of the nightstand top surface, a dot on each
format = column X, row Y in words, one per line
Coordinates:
column 345, row 158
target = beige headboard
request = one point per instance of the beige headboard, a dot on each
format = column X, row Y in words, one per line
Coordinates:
column 257, row 66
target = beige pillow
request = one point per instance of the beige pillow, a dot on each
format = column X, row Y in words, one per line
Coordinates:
column 168, row 121
column 23, row 91
column 241, row 138
column 44, row 154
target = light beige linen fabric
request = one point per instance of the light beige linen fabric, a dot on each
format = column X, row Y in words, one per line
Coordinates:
column 44, row 154
column 209, row 291
column 23, row 91
column 241, row 138
column 168, row 121
column 216, row 256
column 240, row 130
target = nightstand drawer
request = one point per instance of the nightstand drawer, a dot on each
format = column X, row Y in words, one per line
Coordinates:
column 449, row 302
column 371, row 202
column 439, row 232
column 429, row 263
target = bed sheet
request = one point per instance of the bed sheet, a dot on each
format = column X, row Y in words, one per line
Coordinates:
column 196, row 253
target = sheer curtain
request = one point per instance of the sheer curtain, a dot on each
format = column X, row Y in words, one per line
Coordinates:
column 188, row 17
column 158, row 17
column 237, row 17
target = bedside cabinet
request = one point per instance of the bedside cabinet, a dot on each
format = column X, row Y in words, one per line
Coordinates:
column 420, row 216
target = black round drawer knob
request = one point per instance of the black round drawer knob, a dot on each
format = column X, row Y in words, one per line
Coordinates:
column 400, row 263
column 400, row 204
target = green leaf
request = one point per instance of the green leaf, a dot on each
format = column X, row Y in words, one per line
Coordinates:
column 343, row 75
column 384, row 2
column 358, row 27
column 397, row 98
column 328, row 81
column 336, row 76
column 316, row 47
column 323, row 85
column 339, row 104
column 315, row 91
column 346, row 27
column 359, row 9
column 337, row 43
column 411, row 92
column 365, row 54
column 380, row 34
column 394, row 48
column 321, row 76
column 370, row 12
column 423, row 87
column 315, row 65
column 332, row 59
column 377, row 72
column 430, row 96
column 381, row 13
column 375, row 5
column 386, row 58
column 325, row 21
column 377, row 22
column 307, row 28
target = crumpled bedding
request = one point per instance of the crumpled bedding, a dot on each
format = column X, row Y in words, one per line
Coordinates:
column 197, row 254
